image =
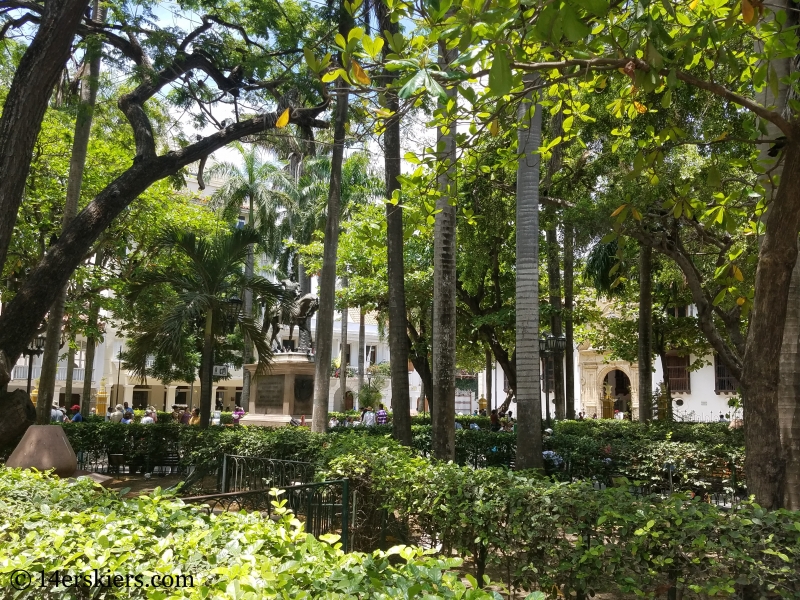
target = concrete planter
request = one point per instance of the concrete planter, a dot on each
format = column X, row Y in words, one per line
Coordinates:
column 45, row 447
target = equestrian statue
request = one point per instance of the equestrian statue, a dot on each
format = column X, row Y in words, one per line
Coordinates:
column 298, row 314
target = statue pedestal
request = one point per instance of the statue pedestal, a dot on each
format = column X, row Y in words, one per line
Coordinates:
column 285, row 392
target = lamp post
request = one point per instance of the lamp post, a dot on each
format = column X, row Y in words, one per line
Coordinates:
column 232, row 307
column 556, row 344
column 544, row 352
column 119, row 368
column 36, row 348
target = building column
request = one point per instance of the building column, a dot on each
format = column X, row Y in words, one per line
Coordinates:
column 127, row 394
column 171, row 389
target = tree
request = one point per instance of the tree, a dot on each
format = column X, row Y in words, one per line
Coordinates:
column 327, row 283
column 529, row 402
column 444, row 283
column 256, row 185
column 204, row 287
column 209, row 57
column 80, row 146
column 25, row 105
column 645, row 357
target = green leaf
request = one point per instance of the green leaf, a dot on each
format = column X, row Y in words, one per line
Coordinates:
column 597, row 7
column 500, row 73
column 574, row 28
column 413, row 84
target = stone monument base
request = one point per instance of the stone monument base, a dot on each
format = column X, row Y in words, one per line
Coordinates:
column 45, row 447
column 284, row 392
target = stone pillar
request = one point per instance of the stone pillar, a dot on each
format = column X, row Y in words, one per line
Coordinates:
column 171, row 389
column 127, row 395
column 288, row 394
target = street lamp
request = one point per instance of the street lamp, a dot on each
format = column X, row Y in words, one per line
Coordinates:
column 545, row 344
column 232, row 307
column 36, row 348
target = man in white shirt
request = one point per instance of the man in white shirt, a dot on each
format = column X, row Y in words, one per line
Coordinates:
column 147, row 419
column 368, row 418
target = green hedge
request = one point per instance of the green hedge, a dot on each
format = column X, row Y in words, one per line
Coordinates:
column 601, row 454
column 572, row 538
column 49, row 524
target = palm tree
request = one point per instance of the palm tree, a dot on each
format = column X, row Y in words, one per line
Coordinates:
column 258, row 185
column 444, row 289
column 205, row 280
column 529, row 403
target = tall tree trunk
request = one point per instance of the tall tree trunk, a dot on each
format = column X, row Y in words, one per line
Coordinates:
column 70, row 374
column 765, row 464
column 529, row 400
column 345, row 346
column 666, row 391
column 91, row 345
column 489, row 369
column 789, row 394
column 327, row 284
column 80, row 147
column 646, row 334
column 554, row 276
column 443, row 410
column 422, row 366
column 249, row 267
column 206, row 371
column 398, row 336
column 24, row 106
column 569, row 285
column 361, row 341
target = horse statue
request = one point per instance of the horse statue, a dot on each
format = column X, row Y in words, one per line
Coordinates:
column 298, row 314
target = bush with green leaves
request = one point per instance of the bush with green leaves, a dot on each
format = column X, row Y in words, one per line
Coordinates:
column 571, row 537
column 73, row 526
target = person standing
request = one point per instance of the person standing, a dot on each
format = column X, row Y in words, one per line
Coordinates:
column 382, row 417
column 238, row 413
column 494, row 421
column 368, row 418
column 116, row 415
column 147, row 419
column 56, row 415
column 77, row 417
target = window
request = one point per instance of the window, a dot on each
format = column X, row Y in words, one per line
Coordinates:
column 678, row 373
column 725, row 382
column 679, row 311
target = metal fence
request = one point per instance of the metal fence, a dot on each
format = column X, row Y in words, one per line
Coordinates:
column 324, row 507
column 245, row 473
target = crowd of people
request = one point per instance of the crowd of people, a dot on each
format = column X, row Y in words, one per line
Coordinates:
column 368, row 418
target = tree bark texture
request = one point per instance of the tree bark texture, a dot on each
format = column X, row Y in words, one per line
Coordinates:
column 554, row 277
column 25, row 105
column 789, row 394
column 207, row 370
column 569, row 333
column 765, row 464
column 528, row 390
column 443, row 410
column 86, row 396
column 398, row 336
column 80, row 147
column 327, row 285
column 646, row 334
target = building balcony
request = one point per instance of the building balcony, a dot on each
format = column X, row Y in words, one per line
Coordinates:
column 21, row 373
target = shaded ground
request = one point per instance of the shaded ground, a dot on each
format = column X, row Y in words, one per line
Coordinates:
column 139, row 485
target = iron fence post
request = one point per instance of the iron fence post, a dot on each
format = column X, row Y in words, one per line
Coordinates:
column 224, row 473
column 345, row 512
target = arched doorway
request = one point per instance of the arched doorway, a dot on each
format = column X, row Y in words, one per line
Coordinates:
column 617, row 384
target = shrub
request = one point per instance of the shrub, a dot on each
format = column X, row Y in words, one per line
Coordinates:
column 571, row 537
column 48, row 524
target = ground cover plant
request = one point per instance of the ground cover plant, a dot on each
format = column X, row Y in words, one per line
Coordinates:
column 73, row 526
